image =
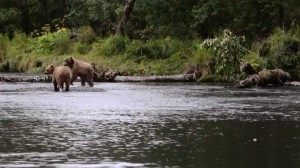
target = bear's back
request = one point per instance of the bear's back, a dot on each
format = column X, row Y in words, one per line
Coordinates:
column 83, row 68
column 62, row 73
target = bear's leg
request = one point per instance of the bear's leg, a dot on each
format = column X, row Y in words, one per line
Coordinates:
column 82, row 82
column 55, row 86
column 61, row 85
column 74, row 77
column 83, row 79
column 67, row 86
column 90, row 82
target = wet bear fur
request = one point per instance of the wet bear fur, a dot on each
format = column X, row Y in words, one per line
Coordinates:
column 282, row 75
column 250, row 81
column 274, row 77
column 60, row 75
column 82, row 69
column 247, row 68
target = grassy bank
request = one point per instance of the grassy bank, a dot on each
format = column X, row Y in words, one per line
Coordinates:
column 33, row 53
column 218, row 58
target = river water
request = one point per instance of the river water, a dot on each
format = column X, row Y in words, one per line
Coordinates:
column 120, row 125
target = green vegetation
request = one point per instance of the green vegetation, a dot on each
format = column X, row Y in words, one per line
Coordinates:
column 228, row 50
column 160, row 37
column 221, row 55
column 280, row 50
column 33, row 54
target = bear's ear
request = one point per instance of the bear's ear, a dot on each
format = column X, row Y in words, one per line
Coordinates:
column 51, row 65
column 72, row 60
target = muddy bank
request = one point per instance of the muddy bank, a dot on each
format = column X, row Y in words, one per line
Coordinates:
column 24, row 77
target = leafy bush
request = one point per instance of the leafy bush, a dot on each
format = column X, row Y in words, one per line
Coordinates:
column 113, row 45
column 284, row 52
column 52, row 42
column 62, row 42
column 255, row 60
column 87, row 35
column 228, row 50
column 82, row 48
column 155, row 49
column 3, row 47
column 20, row 42
column 202, row 57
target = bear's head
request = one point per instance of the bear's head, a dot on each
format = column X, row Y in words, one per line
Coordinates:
column 49, row 70
column 247, row 68
column 69, row 62
column 93, row 65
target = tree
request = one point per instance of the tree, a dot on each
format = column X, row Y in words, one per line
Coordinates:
column 145, row 19
column 128, row 8
column 100, row 15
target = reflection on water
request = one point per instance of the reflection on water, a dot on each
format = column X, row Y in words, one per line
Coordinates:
column 148, row 125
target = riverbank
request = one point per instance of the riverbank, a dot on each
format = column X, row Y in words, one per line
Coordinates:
column 41, row 78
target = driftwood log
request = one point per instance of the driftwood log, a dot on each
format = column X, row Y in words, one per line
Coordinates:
column 195, row 72
column 104, row 74
column 103, row 77
column 108, row 75
column 23, row 77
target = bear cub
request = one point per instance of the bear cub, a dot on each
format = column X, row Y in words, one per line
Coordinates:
column 60, row 75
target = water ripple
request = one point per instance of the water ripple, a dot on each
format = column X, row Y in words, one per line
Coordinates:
column 148, row 125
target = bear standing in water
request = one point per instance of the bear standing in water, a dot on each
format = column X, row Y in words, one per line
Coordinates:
column 60, row 75
column 82, row 69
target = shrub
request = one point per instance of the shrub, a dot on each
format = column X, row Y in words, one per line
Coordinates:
column 202, row 57
column 20, row 42
column 255, row 60
column 113, row 45
column 284, row 51
column 155, row 49
column 3, row 47
column 82, row 48
column 87, row 35
column 62, row 42
column 52, row 42
column 228, row 50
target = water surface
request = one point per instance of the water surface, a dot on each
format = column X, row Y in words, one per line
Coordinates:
column 149, row 125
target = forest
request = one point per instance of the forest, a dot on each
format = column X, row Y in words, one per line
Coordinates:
column 157, row 37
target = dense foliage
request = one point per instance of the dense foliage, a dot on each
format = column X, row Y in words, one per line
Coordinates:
column 228, row 50
column 155, row 18
column 161, row 36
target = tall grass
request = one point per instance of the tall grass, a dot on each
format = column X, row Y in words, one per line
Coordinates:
column 284, row 51
column 113, row 45
column 154, row 49
column 3, row 47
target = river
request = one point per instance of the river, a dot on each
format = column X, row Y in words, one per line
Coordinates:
column 136, row 125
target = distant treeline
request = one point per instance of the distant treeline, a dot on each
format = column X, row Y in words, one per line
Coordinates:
column 150, row 19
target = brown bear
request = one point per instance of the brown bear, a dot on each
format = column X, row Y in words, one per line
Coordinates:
column 274, row 77
column 82, row 69
column 247, row 68
column 60, row 75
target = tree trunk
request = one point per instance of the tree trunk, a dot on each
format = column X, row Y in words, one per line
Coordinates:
column 128, row 8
